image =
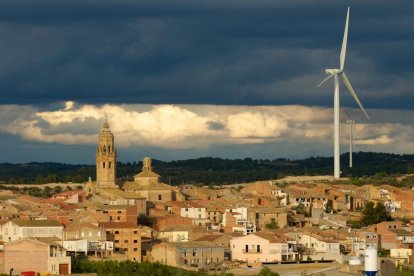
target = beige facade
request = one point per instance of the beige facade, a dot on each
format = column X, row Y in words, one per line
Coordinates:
column 263, row 215
column 148, row 185
column 126, row 238
column 36, row 255
column 199, row 254
column 261, row 247
column 106, row 159
column 89, row 231
column 19, row 229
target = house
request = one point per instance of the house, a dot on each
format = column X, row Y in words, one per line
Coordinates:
column 181, row 233
column 392, row 235
column 119, row 213
column 262, row 247
column 220, row 239
column 102, row 249
column 88, row 238
column 261, row 216
column 235, row 220
column 362, row 240
column 70, row 197
column 320, row 245
column 36, row 254
column 196, row 212
column 126, row 238
column 90, row 231
column 148, row 185
column 19, row 229
column 200, row 254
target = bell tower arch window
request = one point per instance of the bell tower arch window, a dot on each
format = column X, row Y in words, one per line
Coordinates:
column 103, row 165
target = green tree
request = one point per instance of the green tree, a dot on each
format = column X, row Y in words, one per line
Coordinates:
column 382, row 213
column 57, row 189
column 372, row 215
column 272, row 224
column 369, row 215
column 327, row 208
column 267, row 272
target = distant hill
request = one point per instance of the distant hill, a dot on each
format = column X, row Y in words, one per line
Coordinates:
column 214, row 171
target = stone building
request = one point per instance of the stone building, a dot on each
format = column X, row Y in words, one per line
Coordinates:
column 106, row 159
column 19, row 229
column 126, row 237
column 201, row 254
column 148, row 185
column 38, row 255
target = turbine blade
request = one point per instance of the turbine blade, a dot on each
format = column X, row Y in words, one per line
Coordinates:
column 344, row 43
column 347, row 114
column 322, row 82
column 352, row 91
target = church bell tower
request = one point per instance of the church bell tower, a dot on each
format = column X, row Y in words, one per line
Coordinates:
column 106, row 159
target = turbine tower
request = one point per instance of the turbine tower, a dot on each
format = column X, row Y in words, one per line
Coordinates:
column 336, row 73
column 351, row 123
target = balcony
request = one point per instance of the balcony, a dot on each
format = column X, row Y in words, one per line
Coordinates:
column 252, row 251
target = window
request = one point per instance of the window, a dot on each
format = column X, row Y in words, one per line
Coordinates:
column 116, row 241
column 135, row 232
column 103, row 165
column 116, row 232
column 125, row 241
column 135, row 241
column 109, row 165
column 159, row 197
column 135, row 249
column 109, row 150
column 104, row 149
column 119, row 218
column 119, row 212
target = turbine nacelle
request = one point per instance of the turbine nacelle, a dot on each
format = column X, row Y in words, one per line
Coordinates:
column 333, row 71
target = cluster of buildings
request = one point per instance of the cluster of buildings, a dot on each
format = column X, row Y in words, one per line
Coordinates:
column 191, row 227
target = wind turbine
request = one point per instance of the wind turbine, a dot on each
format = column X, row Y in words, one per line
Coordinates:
column 351, row 123
column 336, row 73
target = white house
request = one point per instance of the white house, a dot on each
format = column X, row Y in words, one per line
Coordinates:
column 318, row 247
column 85, row 246
column 261, row 247
column 194, row 212
column 19, row 229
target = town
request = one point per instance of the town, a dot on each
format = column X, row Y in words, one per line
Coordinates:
column 290, row 225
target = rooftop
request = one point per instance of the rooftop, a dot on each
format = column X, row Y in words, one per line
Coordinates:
column 37, row 223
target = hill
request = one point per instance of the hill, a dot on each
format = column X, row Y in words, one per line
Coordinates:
column 215, row 171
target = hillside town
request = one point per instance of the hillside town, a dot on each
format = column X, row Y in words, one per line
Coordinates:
column 297, row 221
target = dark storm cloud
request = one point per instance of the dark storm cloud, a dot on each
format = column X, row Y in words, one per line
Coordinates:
column 203, row 52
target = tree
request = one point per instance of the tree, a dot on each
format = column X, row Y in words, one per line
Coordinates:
column 372, row 215
column 267, row 272
column 382, row 213
column 58, row 189
column 272, row 224
column 369, row 215
column 327, row 209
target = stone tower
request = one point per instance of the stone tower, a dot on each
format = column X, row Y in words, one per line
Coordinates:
column 106, row 159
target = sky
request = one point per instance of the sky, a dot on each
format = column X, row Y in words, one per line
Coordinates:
column 186, row 79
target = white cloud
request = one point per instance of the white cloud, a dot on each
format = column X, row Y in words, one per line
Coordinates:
column 200, row 126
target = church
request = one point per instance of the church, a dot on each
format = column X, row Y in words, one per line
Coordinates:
column 145, row 186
